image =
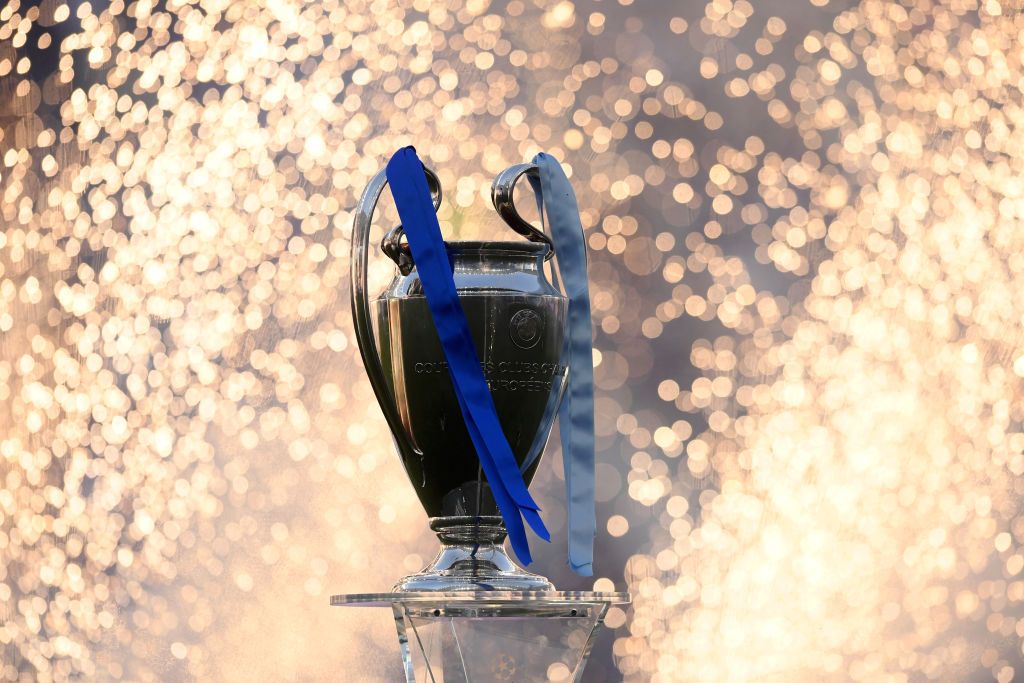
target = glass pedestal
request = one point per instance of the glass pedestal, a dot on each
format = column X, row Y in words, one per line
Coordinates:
column 481, row 636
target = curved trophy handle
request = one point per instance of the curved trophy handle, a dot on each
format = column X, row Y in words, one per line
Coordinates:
column 392, row 244
column 501, row 196
column 361, row 302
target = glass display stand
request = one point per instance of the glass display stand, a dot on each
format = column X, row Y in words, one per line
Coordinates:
column 480, row 636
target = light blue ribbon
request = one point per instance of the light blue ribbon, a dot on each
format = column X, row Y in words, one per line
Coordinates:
column 412, row 196
column 576, row 415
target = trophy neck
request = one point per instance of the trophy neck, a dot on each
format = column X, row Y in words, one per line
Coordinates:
column 471, row 558
column 468, row 530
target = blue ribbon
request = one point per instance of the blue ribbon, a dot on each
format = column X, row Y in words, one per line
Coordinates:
column 576, row 415
column 412, row 196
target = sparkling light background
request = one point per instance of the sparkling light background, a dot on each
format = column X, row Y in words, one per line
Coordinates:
column 806, row 259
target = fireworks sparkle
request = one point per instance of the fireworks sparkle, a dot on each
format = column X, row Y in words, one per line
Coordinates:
column 804, row 222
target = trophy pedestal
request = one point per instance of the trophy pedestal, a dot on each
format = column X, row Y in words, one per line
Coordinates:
column 474, row 637
column 472, row 558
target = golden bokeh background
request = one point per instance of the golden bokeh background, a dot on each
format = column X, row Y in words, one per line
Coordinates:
column 807, row 268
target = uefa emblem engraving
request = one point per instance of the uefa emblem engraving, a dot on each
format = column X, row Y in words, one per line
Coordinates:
column 526, row 328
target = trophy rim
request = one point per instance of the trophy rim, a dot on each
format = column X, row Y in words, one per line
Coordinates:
column 496, row 247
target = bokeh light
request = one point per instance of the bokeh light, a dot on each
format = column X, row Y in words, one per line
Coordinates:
column 804, row 223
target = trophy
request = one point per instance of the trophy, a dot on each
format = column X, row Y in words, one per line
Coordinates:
column 472, row 602
column 516, row 318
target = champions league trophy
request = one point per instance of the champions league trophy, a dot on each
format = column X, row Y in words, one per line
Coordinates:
column 472, row 614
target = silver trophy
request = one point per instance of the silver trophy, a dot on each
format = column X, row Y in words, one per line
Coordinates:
column 472, row 591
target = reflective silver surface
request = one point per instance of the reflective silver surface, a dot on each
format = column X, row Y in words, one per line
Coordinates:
column 517, row 319
column 502, row 197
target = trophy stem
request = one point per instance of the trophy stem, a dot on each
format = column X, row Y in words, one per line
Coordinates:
column 471, row 558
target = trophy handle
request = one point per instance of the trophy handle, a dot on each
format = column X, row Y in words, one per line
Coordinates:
column 392, row 244
column 361, row 302
column 501, row 196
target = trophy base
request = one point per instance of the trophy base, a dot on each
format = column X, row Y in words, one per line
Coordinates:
column 471, row 558
column 474, row 616
column 485, row 636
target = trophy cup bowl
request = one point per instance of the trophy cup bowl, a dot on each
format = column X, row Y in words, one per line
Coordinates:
column 517, row 320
